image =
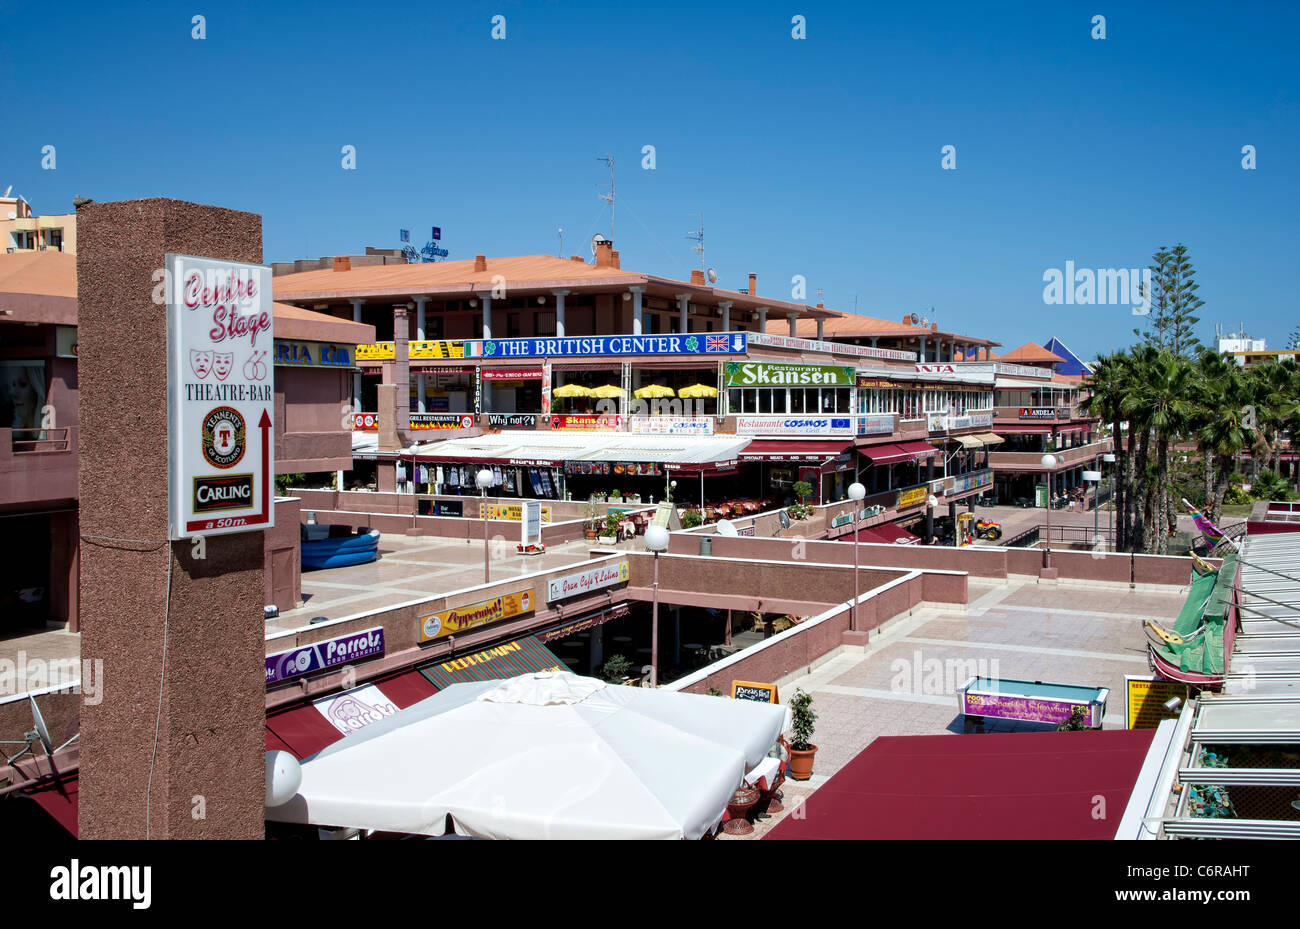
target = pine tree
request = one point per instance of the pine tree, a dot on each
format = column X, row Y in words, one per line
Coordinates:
column 1173, row 303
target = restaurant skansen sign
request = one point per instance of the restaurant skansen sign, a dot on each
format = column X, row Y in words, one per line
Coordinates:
column 220, row 397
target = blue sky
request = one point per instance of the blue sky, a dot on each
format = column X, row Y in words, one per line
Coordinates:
column 818, row 157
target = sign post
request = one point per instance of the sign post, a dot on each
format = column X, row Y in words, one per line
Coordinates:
column 220, row 397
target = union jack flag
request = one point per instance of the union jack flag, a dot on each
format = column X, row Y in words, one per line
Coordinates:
column 715, row 343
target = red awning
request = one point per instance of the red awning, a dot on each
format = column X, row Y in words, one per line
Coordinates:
column 888, row 533
column 792, row 450
column 58, row 797
column 303, row 730
column 1013, row 785
column 895, row 452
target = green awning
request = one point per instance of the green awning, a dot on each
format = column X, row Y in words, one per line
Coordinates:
column 1201, row 622
column 510, row 659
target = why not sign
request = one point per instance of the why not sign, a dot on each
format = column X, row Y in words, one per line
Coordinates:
column 220, row 397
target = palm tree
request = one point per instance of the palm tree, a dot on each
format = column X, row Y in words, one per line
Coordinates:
column 1106, row 386
column 1222, row 423
column 1163, row 394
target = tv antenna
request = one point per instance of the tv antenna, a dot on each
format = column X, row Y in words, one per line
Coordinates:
column 561, row 233
column 698, row 238
column 609, row 160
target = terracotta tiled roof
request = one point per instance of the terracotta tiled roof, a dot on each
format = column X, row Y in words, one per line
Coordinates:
column 50, row 274
column 1032, row 354
column 538, row 270
column 857, row 325
column 293, row 322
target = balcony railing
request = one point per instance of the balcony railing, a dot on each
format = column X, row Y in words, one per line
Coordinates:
column 38, row 441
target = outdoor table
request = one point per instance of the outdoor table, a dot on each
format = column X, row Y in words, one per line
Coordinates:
column 737, row 808
column 621, row 638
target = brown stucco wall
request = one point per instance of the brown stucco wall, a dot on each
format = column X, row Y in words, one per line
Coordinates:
column 210, row 740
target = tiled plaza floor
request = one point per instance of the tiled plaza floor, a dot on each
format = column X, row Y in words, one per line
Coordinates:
column 905, row 681
column 415, row 568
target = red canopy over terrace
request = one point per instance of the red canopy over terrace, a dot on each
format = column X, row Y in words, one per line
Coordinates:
column 890, row 453
column 1013, row 785
column 885, row 533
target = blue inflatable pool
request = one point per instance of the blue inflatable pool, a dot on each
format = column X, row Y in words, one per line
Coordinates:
column 337, row 546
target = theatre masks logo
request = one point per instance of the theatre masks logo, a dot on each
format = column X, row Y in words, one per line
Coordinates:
column 204, row 362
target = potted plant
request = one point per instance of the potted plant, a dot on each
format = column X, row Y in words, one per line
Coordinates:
column 615, row 496
column 591, row 520
column 615, row 669
column 801, row 748
column 691, row 519
column 611, row 529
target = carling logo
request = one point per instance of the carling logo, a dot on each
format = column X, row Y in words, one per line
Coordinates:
column 103, row 882
column 1118, row 286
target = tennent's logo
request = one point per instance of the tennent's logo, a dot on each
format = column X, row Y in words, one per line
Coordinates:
column 103, row 882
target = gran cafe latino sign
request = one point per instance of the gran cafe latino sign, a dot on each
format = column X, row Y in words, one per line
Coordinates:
column 583, row 582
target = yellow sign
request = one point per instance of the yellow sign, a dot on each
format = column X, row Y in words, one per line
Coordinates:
column 751, row 690
column 377, row 351
column 1145, row 699
column 462, row 618
column 912, row 497
column 512, row 512
column 438, row 348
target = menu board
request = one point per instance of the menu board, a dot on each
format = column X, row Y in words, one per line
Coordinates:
column 755, row 692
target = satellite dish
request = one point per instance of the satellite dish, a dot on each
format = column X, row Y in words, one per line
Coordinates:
column 9, row 188
column 712, row 276
column 42, row 730
column 925, row 322
column 596, row 240
column 727, row 528
column 915, row 319
column 784, row 519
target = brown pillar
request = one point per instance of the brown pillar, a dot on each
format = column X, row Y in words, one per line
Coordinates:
column 402, row 371
column 182, row 640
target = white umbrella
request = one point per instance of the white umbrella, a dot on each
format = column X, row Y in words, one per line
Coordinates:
column 546, row 755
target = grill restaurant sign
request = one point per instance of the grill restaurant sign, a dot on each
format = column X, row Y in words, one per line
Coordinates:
column 220, row 397
column 701, row 343
column 762, row 374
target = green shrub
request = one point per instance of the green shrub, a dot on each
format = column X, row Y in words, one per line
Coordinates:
column 803, row 720
column 615, row 669
column 691, row 519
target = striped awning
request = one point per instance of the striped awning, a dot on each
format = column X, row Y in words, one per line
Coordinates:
column 989, row 438
column 509, row 659
column 968, row 441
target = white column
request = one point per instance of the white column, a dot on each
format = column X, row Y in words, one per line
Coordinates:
column 821, row 329
column 356, row 378
column 637, row 291
column 725, row 306
column 487, row 315
column 762, row 319
column 683, row 301
column 559, row 312
column 790, row 318
column 421, row 402
column 922, row 353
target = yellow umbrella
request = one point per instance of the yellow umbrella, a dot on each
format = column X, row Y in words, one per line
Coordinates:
column 571, row 390
column 606, row 391
column 653, row 392
column 698, row 390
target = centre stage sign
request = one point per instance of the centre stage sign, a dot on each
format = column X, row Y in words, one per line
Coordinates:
column 727, row 343
column 220, row 397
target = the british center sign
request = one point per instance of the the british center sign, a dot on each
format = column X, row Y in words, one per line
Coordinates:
column 220, row 397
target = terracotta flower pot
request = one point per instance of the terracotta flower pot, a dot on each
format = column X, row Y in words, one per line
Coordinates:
column 801, row 763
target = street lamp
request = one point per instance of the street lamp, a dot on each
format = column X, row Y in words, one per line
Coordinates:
column 484, row 480
column 1110, row 504
column 930, row 503
column 856, row 493
column 1049, row 462
column 656, row 541
column 1094, row 477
